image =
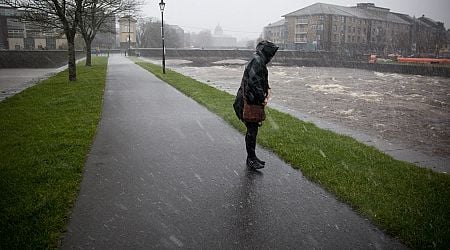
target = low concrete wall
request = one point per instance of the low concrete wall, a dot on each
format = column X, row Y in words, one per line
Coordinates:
column 426, row 69
column 204, row 57
column 35, row 58
column 232, row 54
column 207, row 56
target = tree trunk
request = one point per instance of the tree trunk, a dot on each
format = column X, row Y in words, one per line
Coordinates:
column 88, row 52
column 72, row 65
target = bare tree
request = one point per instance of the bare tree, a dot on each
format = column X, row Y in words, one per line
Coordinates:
column 60, row 14
column 97, row 16
column 202, row 39
column 149, row 35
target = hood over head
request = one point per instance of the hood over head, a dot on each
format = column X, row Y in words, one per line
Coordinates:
column 267, row 49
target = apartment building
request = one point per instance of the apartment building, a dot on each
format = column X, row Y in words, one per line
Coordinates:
column 359, row 29
column 277, row 33
column 17, row 34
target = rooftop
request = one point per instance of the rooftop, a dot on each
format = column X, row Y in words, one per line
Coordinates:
column 362, row 11
column 278, row 23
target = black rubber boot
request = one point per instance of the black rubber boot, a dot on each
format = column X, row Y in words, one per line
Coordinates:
column 254, row 164
column 261, row 161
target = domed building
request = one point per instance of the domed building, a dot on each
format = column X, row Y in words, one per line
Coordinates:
column 220, row 40
column 218, row 31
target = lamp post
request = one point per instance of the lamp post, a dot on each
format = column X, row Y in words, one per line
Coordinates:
column 161, row 7
column 129, row 34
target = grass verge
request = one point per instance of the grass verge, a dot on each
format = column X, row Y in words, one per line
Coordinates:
column 408, row 202
column 46, row 132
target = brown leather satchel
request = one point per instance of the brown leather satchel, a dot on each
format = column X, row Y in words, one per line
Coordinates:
column 253, row 112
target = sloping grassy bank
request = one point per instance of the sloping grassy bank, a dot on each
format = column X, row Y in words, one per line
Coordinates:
column 408, row 202
column 46, row 132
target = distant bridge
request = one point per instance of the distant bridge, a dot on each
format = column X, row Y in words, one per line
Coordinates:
column 200, row 57
column 208, row 56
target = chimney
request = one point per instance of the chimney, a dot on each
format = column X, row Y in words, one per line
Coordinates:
column 365, row 5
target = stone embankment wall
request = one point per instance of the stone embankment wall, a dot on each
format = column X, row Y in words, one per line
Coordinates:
column 412, row 69
column 204, row 57
column 35, row 58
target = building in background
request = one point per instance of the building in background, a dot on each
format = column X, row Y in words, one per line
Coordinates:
column 277, row 33
column 5, row 14
column 437, row 39
column 448, row 40
column 127, row 32
column 221, row 40
column 17, row 34
column 364, row 28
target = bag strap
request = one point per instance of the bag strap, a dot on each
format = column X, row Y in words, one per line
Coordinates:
column 243, row 91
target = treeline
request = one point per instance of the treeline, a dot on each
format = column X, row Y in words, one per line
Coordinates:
column 148, row 35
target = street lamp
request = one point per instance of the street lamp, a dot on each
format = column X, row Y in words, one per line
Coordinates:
column 161, row 7
column 129, row 34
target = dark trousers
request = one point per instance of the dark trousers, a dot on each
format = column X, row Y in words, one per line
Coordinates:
column 250, row 138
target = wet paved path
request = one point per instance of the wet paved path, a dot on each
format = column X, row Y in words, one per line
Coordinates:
column 164, row 172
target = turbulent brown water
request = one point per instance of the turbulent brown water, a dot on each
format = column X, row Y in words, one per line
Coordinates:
column 409, row 110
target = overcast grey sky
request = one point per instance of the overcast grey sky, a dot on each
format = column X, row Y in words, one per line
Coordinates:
column 246, row 18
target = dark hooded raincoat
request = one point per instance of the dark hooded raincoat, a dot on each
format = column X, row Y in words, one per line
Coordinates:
column 255, row 78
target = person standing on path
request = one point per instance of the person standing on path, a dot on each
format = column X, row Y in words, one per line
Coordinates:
column 256, row 85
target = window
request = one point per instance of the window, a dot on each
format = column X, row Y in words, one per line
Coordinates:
column 342, row 19
column 353, row 30
column 301, row 29
column 321, row 17
column 335, row 28
column 318, row 37
column 335, row 37
column 302, row 20
column 300, row 38
column 320, row 27
column 15, row 33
